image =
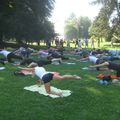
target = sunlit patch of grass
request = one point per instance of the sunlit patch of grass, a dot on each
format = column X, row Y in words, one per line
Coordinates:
column 2, row 78
column 94, row 90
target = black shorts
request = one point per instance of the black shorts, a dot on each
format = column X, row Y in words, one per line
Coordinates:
column 47, row 77
column 99, row 62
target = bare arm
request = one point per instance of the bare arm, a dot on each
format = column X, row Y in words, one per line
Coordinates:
column 40, row 82
column 28, row 69
column 35, row 53
column 17, row 51
column 84, row 58
column 48, row 90
column 33, row 73
column 74, row 59
column 100, row 65
column 31, row 64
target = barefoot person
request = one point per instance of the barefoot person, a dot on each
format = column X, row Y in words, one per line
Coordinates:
column 46, row 77
column 111, row 66
column 9, row 55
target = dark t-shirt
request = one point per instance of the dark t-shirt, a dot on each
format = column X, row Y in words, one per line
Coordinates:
column 43, row 62
column 114, row 66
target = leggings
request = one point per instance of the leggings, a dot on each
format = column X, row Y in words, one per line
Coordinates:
column 10, row 56
column 27, row 61
column 39, row 62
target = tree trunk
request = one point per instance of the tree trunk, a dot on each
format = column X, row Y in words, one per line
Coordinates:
column 48, row 42
column 38, row 43
column 98, row 42
column 1, row 41
column 111, row 42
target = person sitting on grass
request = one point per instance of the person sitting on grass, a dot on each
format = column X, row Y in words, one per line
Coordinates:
column 47, row 77
column 111, row 66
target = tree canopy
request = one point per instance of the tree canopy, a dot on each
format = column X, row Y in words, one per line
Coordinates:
column 107, row 23
column 25, row 20
column 77, row 27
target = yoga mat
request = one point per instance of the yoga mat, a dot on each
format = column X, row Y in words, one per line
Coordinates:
column 2, row 68
column 87, row 68
column 112, row 76
column 41, row 90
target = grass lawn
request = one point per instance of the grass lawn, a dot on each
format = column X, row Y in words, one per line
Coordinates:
column 88, row 101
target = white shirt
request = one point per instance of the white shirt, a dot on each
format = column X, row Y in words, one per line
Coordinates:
column 93, row 59
column 22, row 49
column 43, row 54
column 40, row 72
column 4, row 52
column 114, row 52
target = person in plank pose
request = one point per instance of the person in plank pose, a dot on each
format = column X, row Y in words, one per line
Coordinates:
column 111, row 66
column 47, row 77
column 9, row 55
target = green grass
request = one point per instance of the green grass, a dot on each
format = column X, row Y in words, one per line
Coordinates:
column 88, row 101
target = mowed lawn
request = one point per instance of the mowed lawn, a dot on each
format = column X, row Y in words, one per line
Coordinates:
column 88, row 101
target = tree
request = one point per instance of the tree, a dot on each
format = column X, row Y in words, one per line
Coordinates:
column 83, row 25
column 24, row 19
column 70, row 32
column 100, row 27
column 77, row 28
column 49, row 32
column 111, row 11
column 70, row 29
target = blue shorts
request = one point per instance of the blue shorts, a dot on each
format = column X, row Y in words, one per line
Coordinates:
column 47, row 77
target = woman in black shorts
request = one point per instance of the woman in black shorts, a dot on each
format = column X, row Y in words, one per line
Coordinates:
column 111, row 66
column 46, row 77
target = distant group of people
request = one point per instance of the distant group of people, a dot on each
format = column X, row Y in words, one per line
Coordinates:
column 101, row 58
column 9, row 55
column 59, row 42
column 84, row 42
column 19, row 54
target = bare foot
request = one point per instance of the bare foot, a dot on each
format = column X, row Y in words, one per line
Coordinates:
column 60, row 94
column 39, row 85
column 77, row 77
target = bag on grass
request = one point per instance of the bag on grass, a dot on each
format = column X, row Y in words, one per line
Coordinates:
column 107, row 78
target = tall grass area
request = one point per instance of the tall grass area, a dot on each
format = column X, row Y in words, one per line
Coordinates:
column 88, row 101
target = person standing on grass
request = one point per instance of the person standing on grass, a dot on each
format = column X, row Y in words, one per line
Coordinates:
column 92, row 43
column 47, row 77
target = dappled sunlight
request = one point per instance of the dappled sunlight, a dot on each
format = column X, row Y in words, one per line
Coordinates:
column 93, row 90
column 2, row 78
column 90, row 77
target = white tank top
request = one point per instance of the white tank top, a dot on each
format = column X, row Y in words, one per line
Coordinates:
column 40, row 72
column 93, row 58
column 4, row 52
